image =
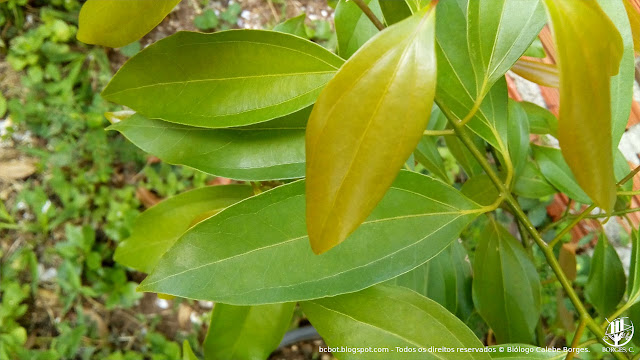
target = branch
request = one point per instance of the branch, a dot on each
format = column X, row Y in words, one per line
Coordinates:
column 531, row 229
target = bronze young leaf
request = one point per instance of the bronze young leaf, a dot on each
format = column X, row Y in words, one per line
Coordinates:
column 365, row 124
column 589, row 52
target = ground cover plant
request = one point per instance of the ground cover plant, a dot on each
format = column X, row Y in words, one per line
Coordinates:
column 390, row 191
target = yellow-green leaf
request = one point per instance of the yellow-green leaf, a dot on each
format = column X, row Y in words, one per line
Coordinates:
column 116, row 23
column 583, row 31
column 365, row 124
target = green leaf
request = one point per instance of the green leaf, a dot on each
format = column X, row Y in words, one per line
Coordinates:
column 518, row 136
column 257, row 251
column 294, row 26
column 116, row 23
column 187, row 353
column 622, row 83
column 246, row 332
column 506, row 286
column 445, row 279
column 215, row 80
column 158, row 228
column 606, row 285
column 557, row 172
column 480, row 189
column 266, row 151
column 536, row 49
column 499, row 32
column 460, row 152
column 394, row 11
column 524, row 351
column 633, row 289
column 353, row 27
column 469, row 67
column 586, row 111
column 380, row 99
column 426, row 153
column 391, row 317
column 531, row 184
column 541, row 121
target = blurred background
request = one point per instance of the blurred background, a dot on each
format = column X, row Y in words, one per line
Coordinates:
column 70, row 191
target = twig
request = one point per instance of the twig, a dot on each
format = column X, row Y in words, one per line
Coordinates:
column 367, row 11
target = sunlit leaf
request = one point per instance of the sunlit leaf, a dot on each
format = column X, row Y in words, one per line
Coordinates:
column 266, row 151
column 257, row 251
column 158, row 228
column 391, row 317
column 537, row 72
column 606, row 284
column 353, row 27
column 585, row 97
column 246, row 332
column 214, row 80
column 506, row 286
column 499, row 32
column 380, row 99
column 116, row 23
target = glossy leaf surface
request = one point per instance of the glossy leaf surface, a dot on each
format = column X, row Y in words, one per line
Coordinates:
column 246, row 332
column 116, row 23
column 214, row 80
column 537, row 72
column 506, row 286
column 390, row 316
column 606, row 285
column 445, row 279
column 353, row 27
column 499, row 32
column 468, row 67
column 380, row 99
column 584, row 126
column 158, row 228
column 266, row 151
column 257, row 251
